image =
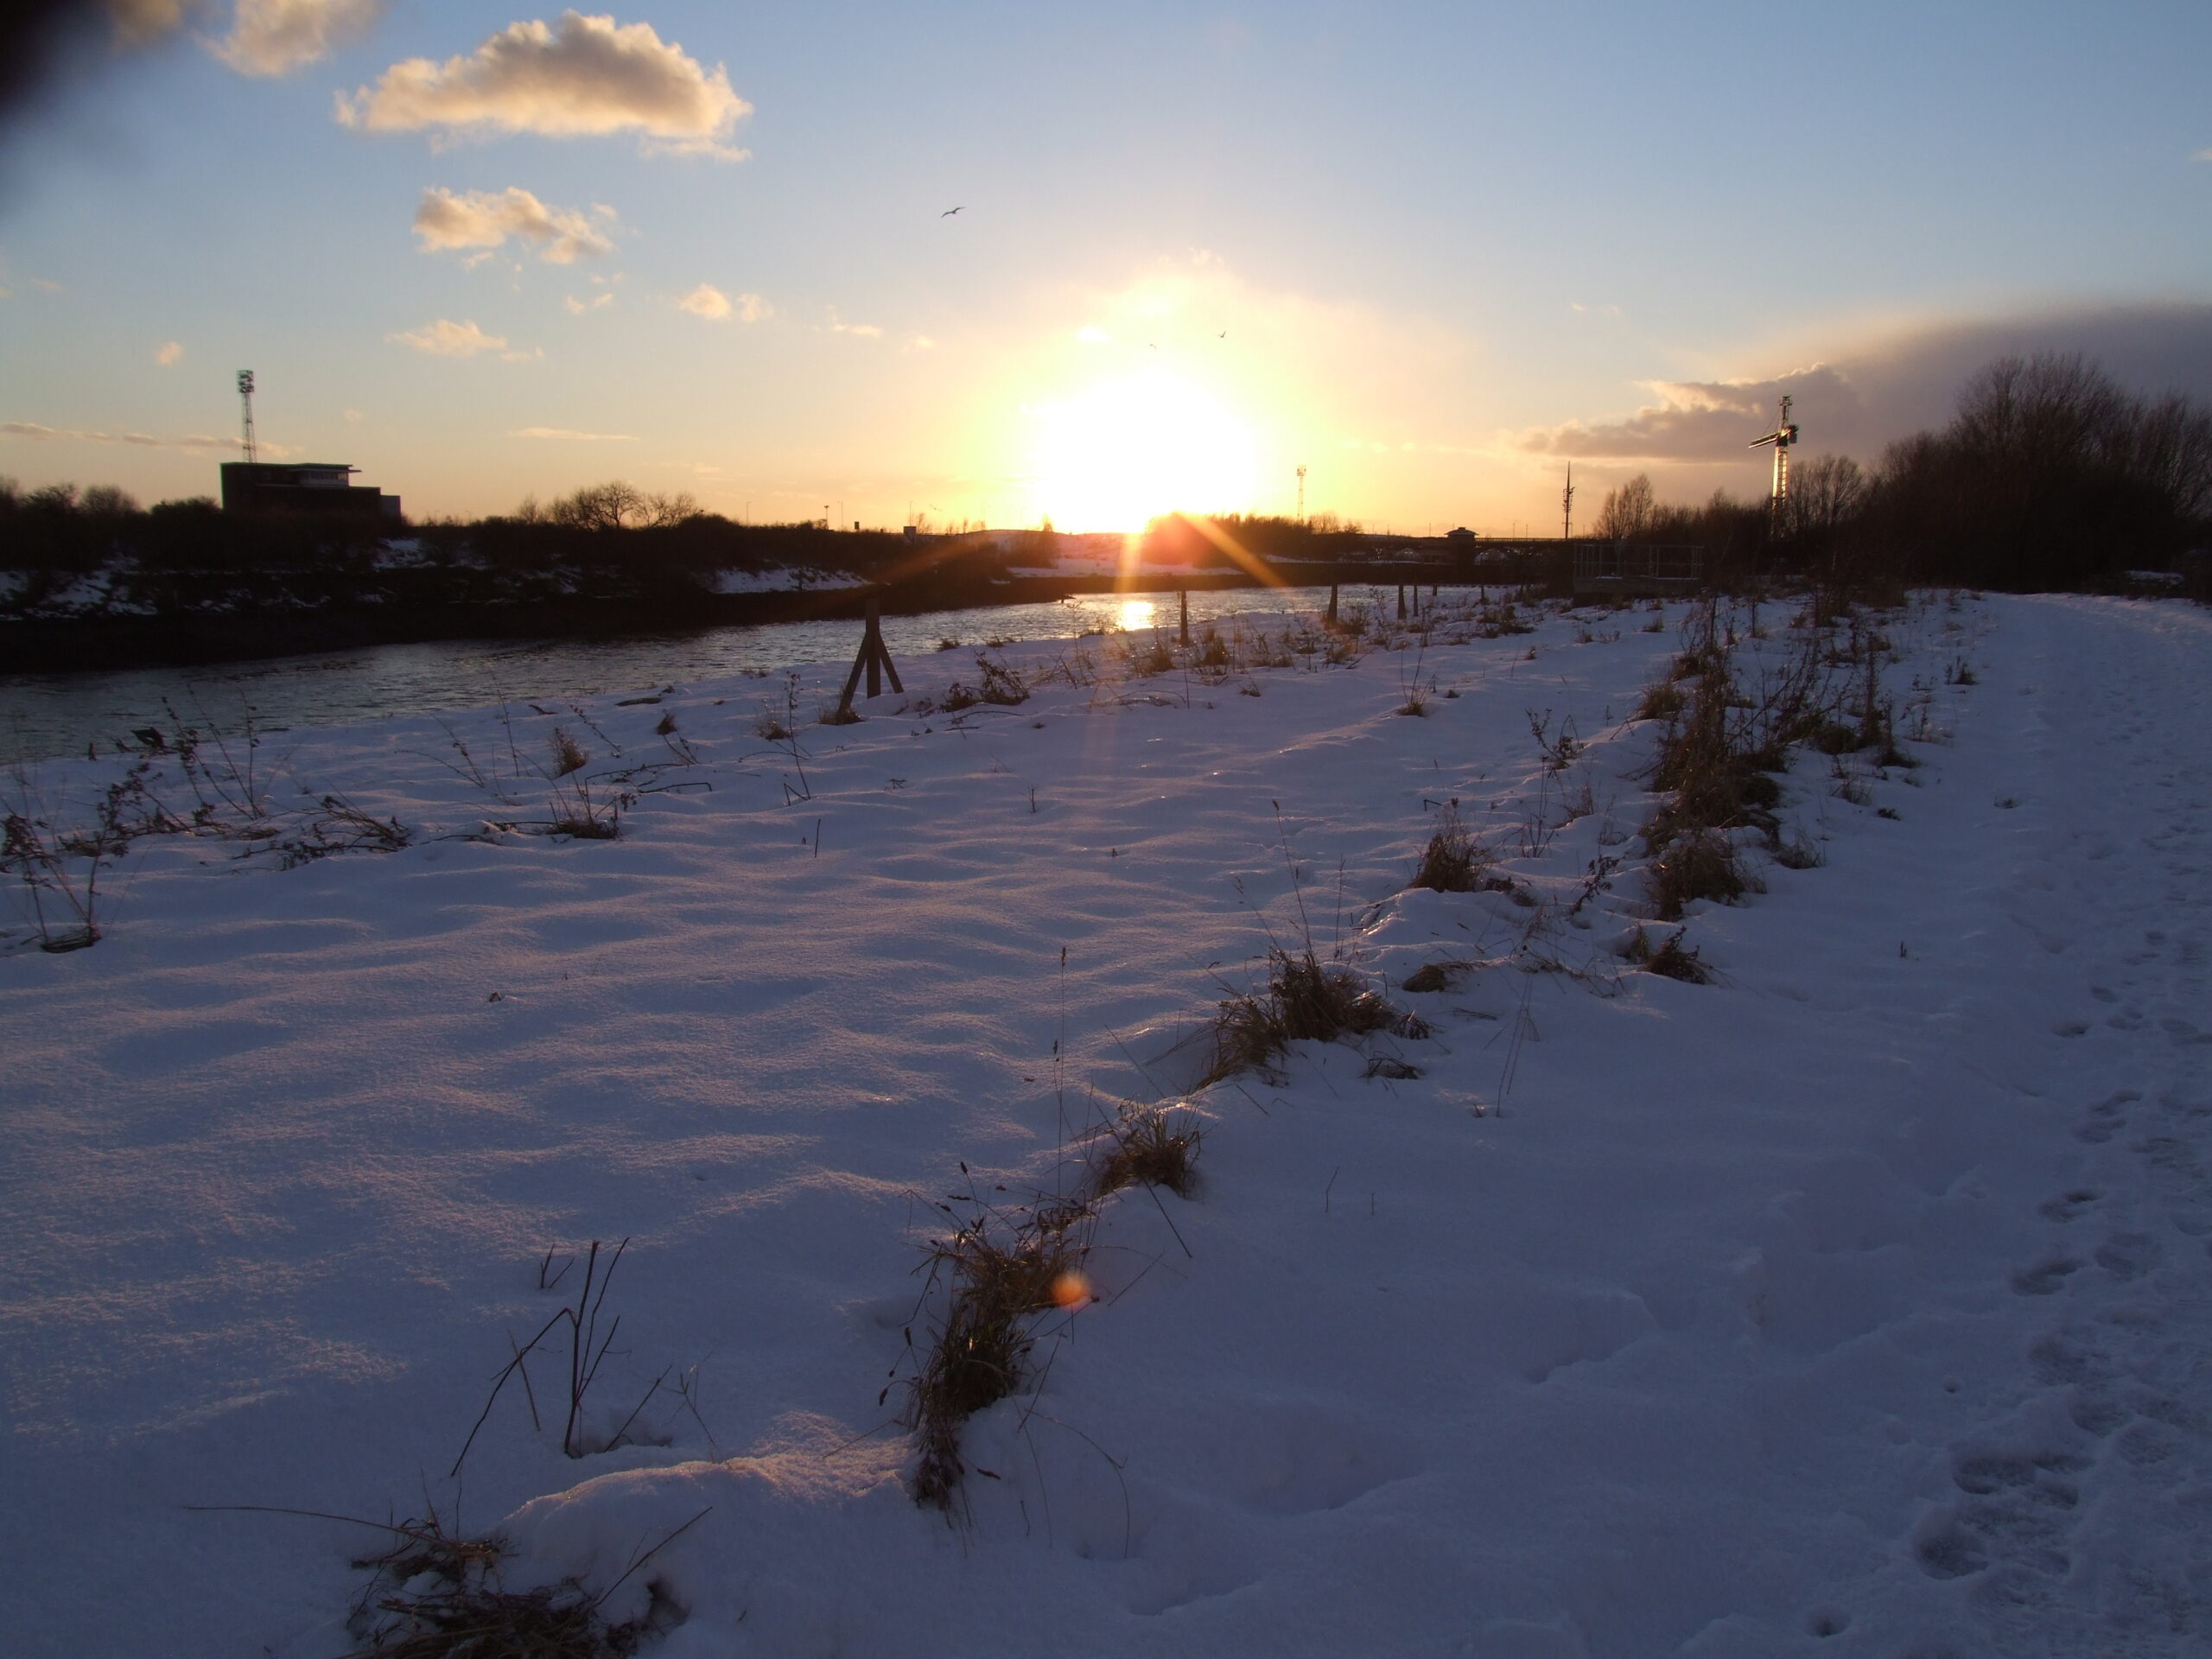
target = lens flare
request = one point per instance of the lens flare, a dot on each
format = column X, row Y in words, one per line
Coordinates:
column 1124, row 452
column 1071, row 1291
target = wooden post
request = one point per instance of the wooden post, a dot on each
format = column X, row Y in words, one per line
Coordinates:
column 873, row 660
column 1332, row 604
column 1402, row 601
column 1183, row 600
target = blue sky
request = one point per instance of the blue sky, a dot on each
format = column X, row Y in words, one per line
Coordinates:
column 1448, row 247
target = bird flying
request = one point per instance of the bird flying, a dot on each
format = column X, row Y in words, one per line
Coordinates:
column 950, row 211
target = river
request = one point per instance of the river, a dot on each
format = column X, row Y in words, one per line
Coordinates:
column 47, row 715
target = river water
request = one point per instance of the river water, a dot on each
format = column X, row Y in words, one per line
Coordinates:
column 45, row 714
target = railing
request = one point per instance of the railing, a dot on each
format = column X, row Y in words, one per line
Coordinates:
column 1610, row 563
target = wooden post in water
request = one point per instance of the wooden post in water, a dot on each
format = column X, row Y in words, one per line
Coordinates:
column 873, row 660
column 1183, row 600
column 1332, row 604
column 1402, row 601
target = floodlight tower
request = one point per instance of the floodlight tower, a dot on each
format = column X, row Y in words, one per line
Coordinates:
column 246, row 399
column 1567, row 507
column 1784, row 435
column 1301, row 494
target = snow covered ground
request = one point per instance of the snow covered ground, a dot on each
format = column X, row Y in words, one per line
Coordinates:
column 1857, row 1304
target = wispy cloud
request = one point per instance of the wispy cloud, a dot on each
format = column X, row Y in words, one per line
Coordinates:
column 274, row 37
column 576, row 307
column 2205, row 154
column 482, row 219
column 582, row 77
column 447, row 338
column 564, row 433
column 169, row 354
column 37, row 434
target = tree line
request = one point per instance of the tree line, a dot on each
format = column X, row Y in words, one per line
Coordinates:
column 2048, row 475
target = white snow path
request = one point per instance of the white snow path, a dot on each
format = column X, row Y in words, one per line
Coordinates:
column 1858, row 1305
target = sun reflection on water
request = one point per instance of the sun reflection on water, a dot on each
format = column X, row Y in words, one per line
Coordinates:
column 1136, row 613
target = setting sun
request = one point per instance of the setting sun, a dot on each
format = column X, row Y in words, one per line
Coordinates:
column 1125, row 451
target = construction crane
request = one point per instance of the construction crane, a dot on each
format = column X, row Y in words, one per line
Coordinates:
column 1784, row 435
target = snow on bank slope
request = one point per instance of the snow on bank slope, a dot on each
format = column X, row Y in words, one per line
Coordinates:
column 1855, row 1304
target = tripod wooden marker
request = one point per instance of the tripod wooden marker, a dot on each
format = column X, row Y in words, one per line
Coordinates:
column 874, row 659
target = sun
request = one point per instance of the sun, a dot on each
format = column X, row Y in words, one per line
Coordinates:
column 1124, row 452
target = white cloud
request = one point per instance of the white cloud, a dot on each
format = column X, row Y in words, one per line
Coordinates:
column 2203, row 156
column 445, row 338
column 865, row 330
column 274, row 37
column 169, row 354
column 483, row 220
column 579, row 437
column 708, row 301
column 577, row 307
column 1092, row 334
column 583, row 77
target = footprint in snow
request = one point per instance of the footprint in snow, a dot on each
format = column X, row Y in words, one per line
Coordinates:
column 2066, row 1205
column 2044, row 1278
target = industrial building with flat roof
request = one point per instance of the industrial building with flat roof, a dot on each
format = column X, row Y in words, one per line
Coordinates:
column 315, row 487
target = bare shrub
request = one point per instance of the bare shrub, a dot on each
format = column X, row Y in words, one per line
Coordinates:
column 1001, row 685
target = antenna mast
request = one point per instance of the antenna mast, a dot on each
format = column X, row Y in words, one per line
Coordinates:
column 1784, row 435
column 1301, row 494
column 1567, row 507
column 245, row 398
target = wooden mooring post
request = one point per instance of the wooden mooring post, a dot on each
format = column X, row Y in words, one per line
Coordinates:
column 1183, row 601
column 1332, row 604
column 874, row 660
column 1401, row 600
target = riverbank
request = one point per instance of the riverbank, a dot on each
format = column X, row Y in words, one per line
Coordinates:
column 114, row 639
column 1851, row 1304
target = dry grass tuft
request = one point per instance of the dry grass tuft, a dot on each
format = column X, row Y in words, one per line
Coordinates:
column 999, row 1274
column 1700, row 864
column 1432, row 976
column 1672, row 960
column 1304, row 999
column 1148, row 1147
column 1455, row 861
column 568, row 755
column 438, row 1597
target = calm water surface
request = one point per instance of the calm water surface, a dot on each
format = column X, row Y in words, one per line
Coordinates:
column 43, row 715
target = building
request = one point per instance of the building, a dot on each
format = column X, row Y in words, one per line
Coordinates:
column 313, row 487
